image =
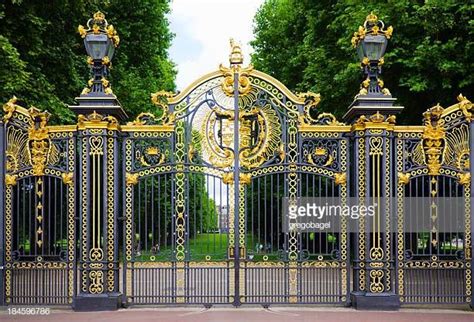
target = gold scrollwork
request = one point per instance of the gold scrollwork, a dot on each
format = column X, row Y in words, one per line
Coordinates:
column 96, row 282
column 98, row 24
column 161, row 99
column 236, row 59
column 433, row 142
column 372, row 26
column 465, row 106
column 9, row 108
column 457, row 150
column 376, row 281
column 96, row 254
column 376, row 120
column 376, row 253
column 464, row 178
column 39, row 143
column 95, row 120
column 311, row 101
column 142, row 118
column 252, row 151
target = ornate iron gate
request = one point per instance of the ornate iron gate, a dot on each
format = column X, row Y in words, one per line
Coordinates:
column 217, row 234
column 40, row 201
column 433, row 162
column 202, row 211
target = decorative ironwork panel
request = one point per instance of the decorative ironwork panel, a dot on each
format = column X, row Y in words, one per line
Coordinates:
column 40, row 240
column 205, row 186
column 434, row 263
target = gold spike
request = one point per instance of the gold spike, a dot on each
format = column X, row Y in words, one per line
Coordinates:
column 39, row 242
column 39, row 231
column 39, row 206
column 39, row 218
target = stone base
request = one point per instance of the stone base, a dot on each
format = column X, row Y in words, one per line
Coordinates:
column 102, row 104
column 92, row 302
column 375, row 301
column 369, row 105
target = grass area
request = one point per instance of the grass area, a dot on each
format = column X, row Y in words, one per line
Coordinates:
column 200, row 247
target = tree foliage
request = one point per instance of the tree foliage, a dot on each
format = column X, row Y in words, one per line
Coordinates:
column 43, row 60
column 306, row 45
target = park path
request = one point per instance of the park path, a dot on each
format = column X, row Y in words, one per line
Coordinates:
column 282, row 314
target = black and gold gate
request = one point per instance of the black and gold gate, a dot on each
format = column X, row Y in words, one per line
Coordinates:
column 39, row 208
column 198, row 193
column 204, row 186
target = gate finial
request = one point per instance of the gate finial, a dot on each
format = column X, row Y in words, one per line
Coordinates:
column 235, row 57
column 100, row 41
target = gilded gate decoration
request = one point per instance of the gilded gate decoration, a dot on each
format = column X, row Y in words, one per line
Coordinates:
column 195, row 141
column 39, row 229
column 436, row 156
column 185, row 206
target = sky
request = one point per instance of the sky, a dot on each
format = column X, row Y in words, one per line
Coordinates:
column 202, row 31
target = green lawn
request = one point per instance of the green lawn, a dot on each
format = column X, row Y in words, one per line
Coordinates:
column 203, row 245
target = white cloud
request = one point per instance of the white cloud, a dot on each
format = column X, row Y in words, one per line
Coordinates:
column 203, row 29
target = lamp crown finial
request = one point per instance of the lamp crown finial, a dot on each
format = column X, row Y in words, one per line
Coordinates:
column 235, row 56
column 99, row 16
column 372, row 18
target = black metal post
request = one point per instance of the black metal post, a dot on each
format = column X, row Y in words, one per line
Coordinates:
column 2, row 213
column 98, row 207
column 471, row 165
column 236, row 190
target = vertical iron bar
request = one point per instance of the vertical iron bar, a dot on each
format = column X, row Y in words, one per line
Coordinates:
column 236, row 189
column 471, row 157
column 2, row 212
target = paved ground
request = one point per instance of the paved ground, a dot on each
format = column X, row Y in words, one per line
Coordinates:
column 250, row 315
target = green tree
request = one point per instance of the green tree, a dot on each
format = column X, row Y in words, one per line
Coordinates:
column 43, row 60
column 306, row 44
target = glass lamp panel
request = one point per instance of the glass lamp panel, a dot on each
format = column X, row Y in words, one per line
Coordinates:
column 360, row 51
column 111, row 49
column 374, row 46
column 96, row 45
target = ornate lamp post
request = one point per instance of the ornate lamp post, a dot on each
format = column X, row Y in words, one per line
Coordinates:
column 98, row 130
column 373, row 116
column 100, row 41
column 371, row 41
